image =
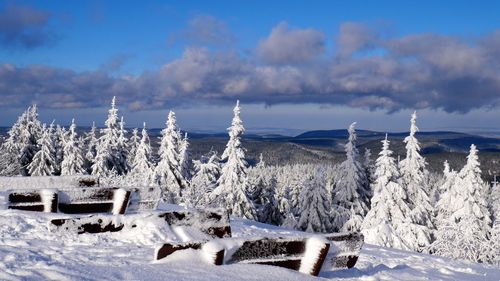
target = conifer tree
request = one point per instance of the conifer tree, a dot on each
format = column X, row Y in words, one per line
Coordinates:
column 122, row 149
column 133, row 143
column 30, row 134
column 369, row 168
column 263, row 194
column 414, row 179
column 107, row 158
column 44, row 160
column 447, row 195
column 385, row 223
column 59, row 141
column 231, row 192
column 184, row 156
column 207, row 172
column 142, row 169
column 351, row 189
column 168, row 170
column 11, row 149
column 73, row 162
column 464, row 234
column 314, row 205
column 91, row 142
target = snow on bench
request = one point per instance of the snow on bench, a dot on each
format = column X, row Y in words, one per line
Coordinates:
column 184, row 223
column 305, row 254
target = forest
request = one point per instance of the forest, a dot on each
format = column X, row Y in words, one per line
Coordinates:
column 394, row 201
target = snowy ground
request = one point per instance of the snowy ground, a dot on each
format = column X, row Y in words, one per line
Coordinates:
column 30, row 251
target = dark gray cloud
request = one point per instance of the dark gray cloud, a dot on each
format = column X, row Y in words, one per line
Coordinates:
column 291, row 46
column 203, row 30
column 25, row 27
column 415, row 71
column 354, row 37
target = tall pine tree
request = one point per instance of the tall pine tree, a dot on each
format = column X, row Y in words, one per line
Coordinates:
column 414, row 179
column 351, row 191
column 73, row 162
column 44, row 160
column 106, row 160
column 386, row 220
column 464, row 234
column 142, row 168
column 231, row 192
column 314, row 204
column 168, row 170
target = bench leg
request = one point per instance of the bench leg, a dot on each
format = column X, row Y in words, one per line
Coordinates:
column 49, row 200
column 120, row 201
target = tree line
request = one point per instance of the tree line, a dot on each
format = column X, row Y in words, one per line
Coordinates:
column 393, row 203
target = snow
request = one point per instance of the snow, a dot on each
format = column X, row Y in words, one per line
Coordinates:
column 313, row 247
column 30, row 251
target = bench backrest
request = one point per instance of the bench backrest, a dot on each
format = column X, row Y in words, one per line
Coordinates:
column 78, row 200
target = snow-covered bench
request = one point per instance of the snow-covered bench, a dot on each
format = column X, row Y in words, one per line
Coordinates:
column 211, row 223
column 305, row 254
column 75, row 195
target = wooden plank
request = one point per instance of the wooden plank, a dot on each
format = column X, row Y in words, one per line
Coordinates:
column 98, row 226
column 84, row 208
column 210, row 222
column 268, row 248
column 36, row 208
column 169, row 248
column 25, row 197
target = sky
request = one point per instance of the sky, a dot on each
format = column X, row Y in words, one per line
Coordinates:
column 299, row 65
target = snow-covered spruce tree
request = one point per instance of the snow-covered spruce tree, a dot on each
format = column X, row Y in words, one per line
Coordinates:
column 413, row 179
column 184, row 156
column 91, row 142
column 295, row 186
column 232, row 186
column 44, row 160
column 73, row 162
column 495, row 202
column 107, row 158
column 122, row 150
column 30, row 134
column 206, row 173
column 351, row 189
column 389, row 211
column 447, row 195
column 495, row 249
column 11, row 149
column 142, row 169
column 465, row 233
column 59, row 141
column 133, row 143
column 168, row 170
column 369, row 167
column 314, row 205
column 21, row 145
column 263, row 186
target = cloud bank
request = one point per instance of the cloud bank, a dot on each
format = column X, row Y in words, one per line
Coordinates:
column 290, row 65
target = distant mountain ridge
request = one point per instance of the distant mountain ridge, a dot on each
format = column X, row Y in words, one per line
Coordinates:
column 432, row 141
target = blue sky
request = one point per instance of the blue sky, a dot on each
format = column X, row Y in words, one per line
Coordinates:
column 324, row 63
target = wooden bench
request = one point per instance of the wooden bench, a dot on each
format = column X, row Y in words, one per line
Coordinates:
column 212, row 223
column 75, row 195
column 305, row 254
